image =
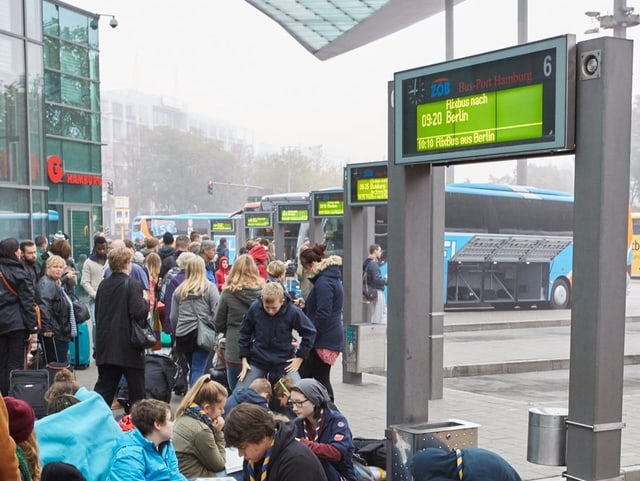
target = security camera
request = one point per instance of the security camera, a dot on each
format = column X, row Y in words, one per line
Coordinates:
column 113, row 22
column 94, row 24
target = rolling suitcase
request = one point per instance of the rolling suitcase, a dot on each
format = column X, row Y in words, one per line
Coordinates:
column 30, row 386
column 80, row 348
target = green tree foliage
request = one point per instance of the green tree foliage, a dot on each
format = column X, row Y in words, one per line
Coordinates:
column 292, row 170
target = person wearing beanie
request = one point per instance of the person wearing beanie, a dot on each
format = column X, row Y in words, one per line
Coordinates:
column 59, row 471
column 476, row 463
column 8, row 460
column 21, row 422
column 323, row 430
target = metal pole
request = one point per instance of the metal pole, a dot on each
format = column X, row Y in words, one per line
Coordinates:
column 619, row 9
column 521, row 164
column 448, row 53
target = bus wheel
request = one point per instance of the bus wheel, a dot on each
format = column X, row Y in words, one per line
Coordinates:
column 560, row 294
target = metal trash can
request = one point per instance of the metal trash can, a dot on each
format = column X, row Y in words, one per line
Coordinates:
column 407, row 439
column 547, row 439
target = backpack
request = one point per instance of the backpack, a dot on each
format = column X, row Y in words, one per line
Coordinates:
column 369, row 293
column 372, row 451
column 160, row 375
column 171, row 273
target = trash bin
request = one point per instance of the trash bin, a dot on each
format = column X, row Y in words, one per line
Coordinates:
column 547, row 439
column 407, row 439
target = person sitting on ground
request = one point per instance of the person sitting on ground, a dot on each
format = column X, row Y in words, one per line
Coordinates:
column 21, row 422
column 323, row 430
column 59, row 471
column 197, row 432
column 61, row 393
column 147, row 451
column 265, row 337
column 269, row 446
column 259, row 392
column 462, row 464
column 280, row 400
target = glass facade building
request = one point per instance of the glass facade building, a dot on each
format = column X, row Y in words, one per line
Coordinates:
column 50, row 147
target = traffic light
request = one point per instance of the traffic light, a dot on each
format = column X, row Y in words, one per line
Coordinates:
column 110, row 187
column 210, row 187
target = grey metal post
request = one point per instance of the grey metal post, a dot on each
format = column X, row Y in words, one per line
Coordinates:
column 315, row 230
column 409, row 348
column 241, row 236
column 448, row 55
column 603, row 124
column 521, row 164
column 278, row 236
column 352, row 276
column 619, row 29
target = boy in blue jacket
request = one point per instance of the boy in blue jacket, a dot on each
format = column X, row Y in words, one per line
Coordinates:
column 265, row 337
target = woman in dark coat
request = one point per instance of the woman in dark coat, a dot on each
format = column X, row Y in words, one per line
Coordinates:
column 119, row 303
column 55, row 310
column 18, row 319
column 323, row 306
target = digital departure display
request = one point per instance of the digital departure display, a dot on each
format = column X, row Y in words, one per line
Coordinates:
column 222, row 225
column 293, row 214
column 328, row 203
column 508, row 103
column 368, row 183
column 257, row 219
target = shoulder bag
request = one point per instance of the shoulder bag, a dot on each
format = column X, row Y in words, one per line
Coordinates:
column 206, row 338
column 369, row 293
column 142, row 337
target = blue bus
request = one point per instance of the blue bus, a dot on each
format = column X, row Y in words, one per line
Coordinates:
column 215, row 224
column 505, row 246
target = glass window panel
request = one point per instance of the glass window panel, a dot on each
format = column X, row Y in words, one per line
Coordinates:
column 51, row 53
column 40, row 214
column 76, row 156
column 75, row 91
column 76, row 124
column 52, row 86
column 33, row 18
column 11, row 16
column 35, row 105
column 56, row 193
column 96, row 159
column 13, row 121
column 14, row 222
column 77, row 193
column 93, row 36
column 74, row 60
column 80, row 232
column 95, row 96
column 95, row 127
column 74, row 26
column 94, row 65
column 50, row 19
column 97, row 219
column 53, row 119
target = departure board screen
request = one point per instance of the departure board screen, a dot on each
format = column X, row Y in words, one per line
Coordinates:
column 368, row 183
column 222, row 225
column 328, row 203
column 293, row 214
column 508, row 103
column 257, row 219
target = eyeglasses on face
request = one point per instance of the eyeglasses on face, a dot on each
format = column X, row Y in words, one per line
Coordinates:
column 297, row 404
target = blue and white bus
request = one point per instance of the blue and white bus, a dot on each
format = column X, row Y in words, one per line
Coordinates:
column 504, row 246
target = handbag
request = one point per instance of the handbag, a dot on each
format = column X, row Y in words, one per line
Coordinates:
column 206, row 336
column 142, row 337
column 81, row 311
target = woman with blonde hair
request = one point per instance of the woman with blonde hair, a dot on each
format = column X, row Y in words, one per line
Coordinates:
column 195, row 298
column 21, row 422
column 242, row 287
column 197, row 431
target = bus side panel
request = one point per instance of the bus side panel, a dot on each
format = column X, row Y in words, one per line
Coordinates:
column 561, row 266
column 452, row 244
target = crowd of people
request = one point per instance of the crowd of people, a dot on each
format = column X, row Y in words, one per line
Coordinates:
column 275, row 349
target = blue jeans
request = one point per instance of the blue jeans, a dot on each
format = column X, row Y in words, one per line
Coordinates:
column 232, row 375
column 199, row 363
column 256, row 372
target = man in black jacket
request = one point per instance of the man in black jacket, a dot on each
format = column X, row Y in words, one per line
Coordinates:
column 269, row 446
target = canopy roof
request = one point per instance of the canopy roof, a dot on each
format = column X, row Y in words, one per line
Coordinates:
column 328, row 28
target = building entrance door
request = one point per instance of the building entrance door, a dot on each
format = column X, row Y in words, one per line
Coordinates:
column 80, row 230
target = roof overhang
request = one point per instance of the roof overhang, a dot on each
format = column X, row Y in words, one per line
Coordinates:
column 328, row 28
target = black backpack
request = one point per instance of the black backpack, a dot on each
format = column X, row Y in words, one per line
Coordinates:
column 372, row 451
column 160, row 375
